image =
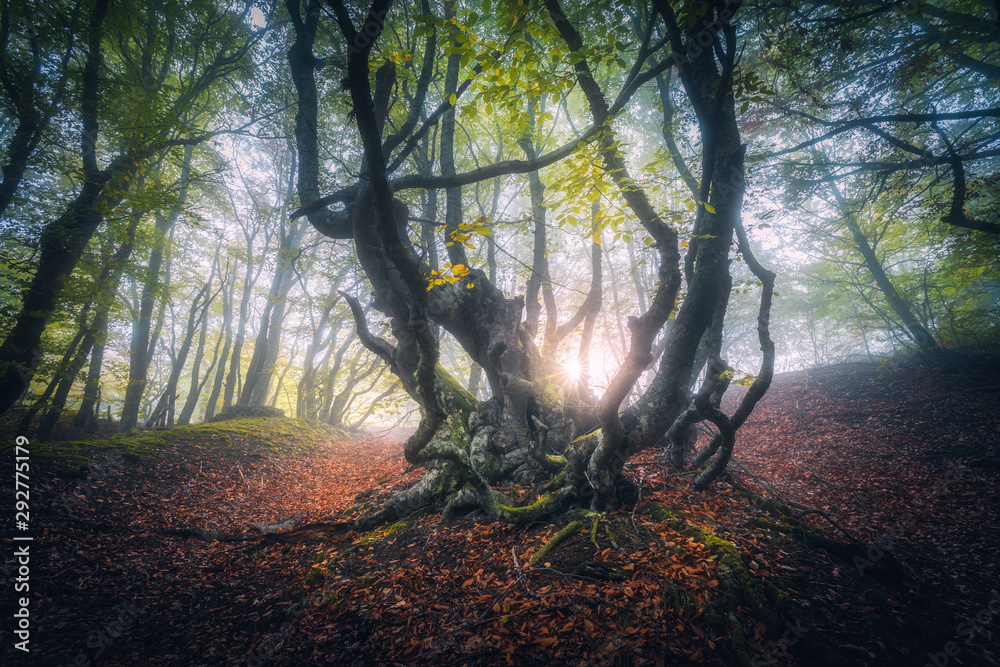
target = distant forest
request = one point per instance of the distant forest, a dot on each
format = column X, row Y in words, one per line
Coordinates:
column 552, row 233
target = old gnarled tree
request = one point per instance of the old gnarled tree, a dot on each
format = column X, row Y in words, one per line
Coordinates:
column 535, row 427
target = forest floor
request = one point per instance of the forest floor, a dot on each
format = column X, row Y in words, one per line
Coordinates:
column 124, row 569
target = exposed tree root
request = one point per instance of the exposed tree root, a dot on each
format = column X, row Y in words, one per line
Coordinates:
column 556, row 540
column 866, row 558
column 436, row 485
column 593, row 528
column 586, row 519
column 318, row 529
column 207, row 535
column 787, row 623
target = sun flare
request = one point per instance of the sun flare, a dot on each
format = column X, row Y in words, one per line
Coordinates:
column 572, row 368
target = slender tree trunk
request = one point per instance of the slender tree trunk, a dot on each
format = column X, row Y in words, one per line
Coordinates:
column 917, row 331
column 280, row 382
column 373, row 405
column 143, row 341
column 379, row 369
column 328, row 394
column 163, row 413
column 305, row 404
column 614, row 300
column 640, row 289
column 85, row 419
column 194, row 391
column 235, row 361
column 227, row 336
column 256, row 389
column 58, row 405
column 594, row 302
column 541, row 279
column 61, row 371
column 341, row 402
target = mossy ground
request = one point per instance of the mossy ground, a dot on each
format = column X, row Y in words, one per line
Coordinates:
column 276, row 435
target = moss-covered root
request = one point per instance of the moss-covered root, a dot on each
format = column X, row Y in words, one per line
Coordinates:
column 569, row 531
column 436, row 485
column 787, row 623
column 883, row 565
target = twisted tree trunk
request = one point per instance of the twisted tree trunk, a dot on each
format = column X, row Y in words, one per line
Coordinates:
column 528, row 430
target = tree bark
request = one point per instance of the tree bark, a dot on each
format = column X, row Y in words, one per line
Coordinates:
column 914, row 328
column 66, row 382
column 85, row 420
column 194, row 391
column 163, row 413
column 227, row 337
column 256, row 388
column 61, row 370
column 143, row 341
column 468, row 445
column 33, row 114
column 64, row 239
column 305, row 404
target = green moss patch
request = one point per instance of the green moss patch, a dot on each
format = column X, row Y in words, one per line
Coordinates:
column 741, row 589
column 277, row 435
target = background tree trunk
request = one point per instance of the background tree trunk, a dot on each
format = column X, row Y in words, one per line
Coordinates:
column 194, row 391
column 163, row 413
column 143, row 342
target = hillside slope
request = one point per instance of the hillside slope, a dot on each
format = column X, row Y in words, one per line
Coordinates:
column 195, row 548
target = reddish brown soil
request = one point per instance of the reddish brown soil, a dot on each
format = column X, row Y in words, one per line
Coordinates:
column 901, row 456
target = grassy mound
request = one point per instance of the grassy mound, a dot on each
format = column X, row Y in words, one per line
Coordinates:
column 276, row 435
